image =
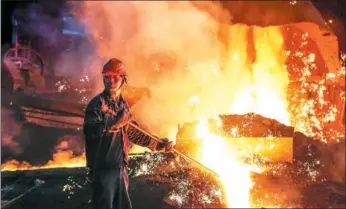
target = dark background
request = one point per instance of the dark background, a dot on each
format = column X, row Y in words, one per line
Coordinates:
column 330, row 9
column 8, row 7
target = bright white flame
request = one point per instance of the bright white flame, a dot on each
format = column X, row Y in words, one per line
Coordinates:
column 217, row 155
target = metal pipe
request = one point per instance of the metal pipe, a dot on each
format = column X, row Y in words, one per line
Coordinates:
column 174, row 150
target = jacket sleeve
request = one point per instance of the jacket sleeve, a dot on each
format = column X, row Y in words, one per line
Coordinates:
column 93, row 123
column 140, row 138
column 92, row 129
column 137, row 137
column 104, row 120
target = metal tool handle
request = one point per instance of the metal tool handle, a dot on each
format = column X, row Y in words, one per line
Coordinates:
column 174, row 150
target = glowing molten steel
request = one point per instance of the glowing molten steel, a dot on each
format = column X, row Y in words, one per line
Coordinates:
column 62, row 159
column 217, row 155
column 264, row 77
column 254, row 79
column 264, row 93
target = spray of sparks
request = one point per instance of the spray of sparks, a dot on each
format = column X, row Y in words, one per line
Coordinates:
column 62, row 86
column 293, row 2
column 312, row 110
column 73, row 184
column 314, row 107
column 80, row 89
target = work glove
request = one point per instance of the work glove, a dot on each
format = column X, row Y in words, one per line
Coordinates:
column 165, row 145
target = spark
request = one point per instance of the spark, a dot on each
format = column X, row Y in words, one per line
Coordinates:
column 84, row 79
column 71, row 186
column 331, row 75
column 305, row 35
column 293, row 2
column 62, row 85
column 234, row 131
column 176, row 197
column 311, row 57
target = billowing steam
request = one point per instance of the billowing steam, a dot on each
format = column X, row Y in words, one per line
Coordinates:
column 170, row 47
column 176, row 49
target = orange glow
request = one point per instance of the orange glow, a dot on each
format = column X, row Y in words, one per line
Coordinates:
column 62, row 159
column 217, row 154
column 265, row 84
column 194, row 73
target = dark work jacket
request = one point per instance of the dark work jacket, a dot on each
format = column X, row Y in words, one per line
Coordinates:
column 108, row 148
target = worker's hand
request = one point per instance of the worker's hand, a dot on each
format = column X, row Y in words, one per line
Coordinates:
column 104, row 107
column 165, row 145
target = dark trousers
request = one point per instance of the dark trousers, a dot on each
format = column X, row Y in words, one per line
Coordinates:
column 110, row 189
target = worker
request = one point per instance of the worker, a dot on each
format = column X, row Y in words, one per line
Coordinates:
column 107, row 137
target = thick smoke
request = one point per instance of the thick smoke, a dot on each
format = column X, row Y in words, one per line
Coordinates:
column 174, row 48
column 171, row 47
column 70, row 143
column 10, row 127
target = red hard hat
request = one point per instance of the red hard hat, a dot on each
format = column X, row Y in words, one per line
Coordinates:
column 114, row 66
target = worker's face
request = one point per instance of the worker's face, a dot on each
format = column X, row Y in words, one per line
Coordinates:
column 112, row 81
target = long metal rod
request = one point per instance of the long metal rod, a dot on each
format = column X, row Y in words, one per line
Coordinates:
column 21, row 195
column 174, row 150
column 14, row 184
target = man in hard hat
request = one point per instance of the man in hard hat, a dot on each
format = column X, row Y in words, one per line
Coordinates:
column 107, row 136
